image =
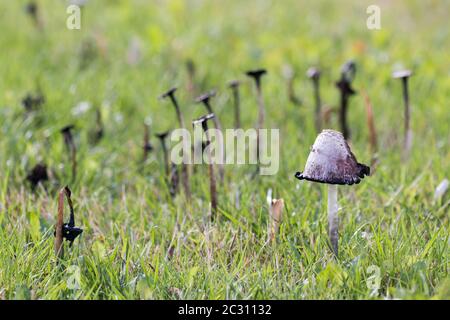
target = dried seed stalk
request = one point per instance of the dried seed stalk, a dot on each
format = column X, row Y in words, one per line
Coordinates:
column 371, row 125
column 275, row 211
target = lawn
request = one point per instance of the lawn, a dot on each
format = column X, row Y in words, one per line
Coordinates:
column 142, row 242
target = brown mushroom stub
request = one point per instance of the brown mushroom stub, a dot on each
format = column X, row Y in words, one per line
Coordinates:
column 332, row 162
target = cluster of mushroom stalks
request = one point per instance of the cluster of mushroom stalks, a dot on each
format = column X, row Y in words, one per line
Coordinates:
column 332, row 162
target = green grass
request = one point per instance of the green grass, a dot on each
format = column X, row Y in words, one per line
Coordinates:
column 130, row 221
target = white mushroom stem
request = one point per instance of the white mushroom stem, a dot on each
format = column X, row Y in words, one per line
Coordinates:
column 333, row 221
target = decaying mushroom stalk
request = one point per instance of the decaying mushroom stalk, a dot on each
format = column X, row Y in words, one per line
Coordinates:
column 63, row 230
column 407, row 141
column 234, row 85
column 205, row 99
column 33, row 102
column 314, row 75
column 147, row 146
column 373, row 140
column 70, row 144
column 256, row 76
column 332, row 162
column 344, row 85
column 275, row 211
column 97, row 133
column 190, row 68
column 184, row 168
column 59, row 250
column 37, row 175
column 212, row 179
column 32, row 9
column 289, row 75
column 162, row 138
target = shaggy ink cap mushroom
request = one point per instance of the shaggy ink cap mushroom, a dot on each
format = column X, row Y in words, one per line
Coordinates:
column 331, row 161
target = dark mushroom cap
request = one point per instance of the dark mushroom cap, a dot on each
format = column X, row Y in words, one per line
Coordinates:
column 163, row 135
column 38, row 174
column 205, row 97
column 168, row 93
column 345, row 86
column 148, row 146
column 313, row 73
column 31, row 8
column 67, row 128
column 70, row 233
column 256, row 73
column 331, row 161
column 234, row 83
column 400, row 74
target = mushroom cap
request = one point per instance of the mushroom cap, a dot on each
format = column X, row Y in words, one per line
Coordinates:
column 67, row 128
column 162, row 135
column 345, row 86
column 331, row 161
column 313, row 73
column 37, row 174
column 256, row 73
column 234, row 83
column 203, row 119
column 168, row 93
column 205, row 97
column 401, row 74
column 348, row 70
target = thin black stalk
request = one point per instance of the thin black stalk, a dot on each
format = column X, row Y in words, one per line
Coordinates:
column 234, row 85
column 256, row 75
column 212, row 179
column 162, row 139
column 147, row 146
column 407, row 140
column 70, row 144
column 205, row 99
column 346, row 91
column 407, row 111
column 314, row 75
